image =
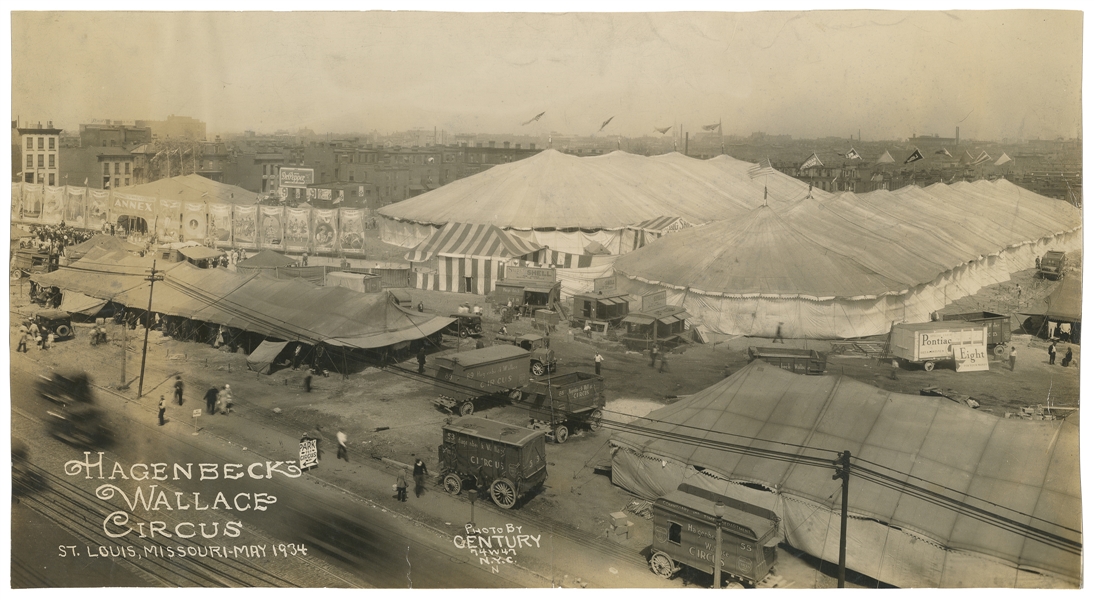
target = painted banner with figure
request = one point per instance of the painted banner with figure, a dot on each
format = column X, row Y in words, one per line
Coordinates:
column 98, row 208
column 297, row 229
column 245, row 226
column 53, row 207
column 16, row 201
column 193, row 222
column 75, row 206
column 32, row 202
column 351, row 239
column 167, row 222
column 326, row 230
column 273, row 230
column 220, row 222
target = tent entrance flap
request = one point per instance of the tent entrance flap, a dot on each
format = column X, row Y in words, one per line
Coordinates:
column 264, row 356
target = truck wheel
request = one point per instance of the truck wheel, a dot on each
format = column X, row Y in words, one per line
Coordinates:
column 661, row 564
column 596, row 419
column 503, row 493
column 466, row 409
column 63, row 331
column 1000, row 350
column 538, row 369
column 463, row 333
column 928, row 366
column 452, row 484
column 562, row 433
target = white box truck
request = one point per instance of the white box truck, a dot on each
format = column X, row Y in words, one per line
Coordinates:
column 927, row 343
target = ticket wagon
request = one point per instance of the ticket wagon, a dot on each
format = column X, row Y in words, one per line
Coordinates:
column 506, row 460
column 684, row 524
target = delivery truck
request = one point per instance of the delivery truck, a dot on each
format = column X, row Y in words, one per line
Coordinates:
column 505, row 461
column 925, row 344
column 561, row 403
column 998, row 327
column 465, row 378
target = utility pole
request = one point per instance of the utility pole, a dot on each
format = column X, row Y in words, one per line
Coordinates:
column 843, row 471
column 125, row 346
column 147, row 324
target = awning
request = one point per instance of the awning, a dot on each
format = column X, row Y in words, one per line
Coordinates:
column 611, row 301
column 673, row 318
column 539, row 288
column 75, row 302
column 199, row 252
column 638, row 319
column 264, row 355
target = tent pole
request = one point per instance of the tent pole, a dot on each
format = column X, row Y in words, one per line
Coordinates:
column 843, row 471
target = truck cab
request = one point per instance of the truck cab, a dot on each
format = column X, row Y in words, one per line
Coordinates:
column 1052, row 265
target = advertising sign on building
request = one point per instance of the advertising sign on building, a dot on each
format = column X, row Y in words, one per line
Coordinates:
column 972, row 357
column 295, row 177
column 654, row 300
column 604, row 284
column 530, row 274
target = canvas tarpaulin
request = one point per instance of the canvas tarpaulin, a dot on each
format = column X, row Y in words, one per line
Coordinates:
column 264, row 355
column 1024, row 471
column 75, row 302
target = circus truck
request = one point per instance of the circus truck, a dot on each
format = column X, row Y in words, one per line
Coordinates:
column 465, row 379
column 925, row 344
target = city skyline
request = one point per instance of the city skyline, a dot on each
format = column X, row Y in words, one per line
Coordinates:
column 890, row 75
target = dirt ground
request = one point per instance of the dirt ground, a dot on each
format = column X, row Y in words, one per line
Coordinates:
column 386, row 414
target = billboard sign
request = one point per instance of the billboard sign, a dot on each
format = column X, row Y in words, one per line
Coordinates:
column 293, row 177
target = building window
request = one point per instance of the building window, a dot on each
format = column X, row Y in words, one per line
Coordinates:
column 52, row 160
column 116, row 183
column 51, row 179
column 30, row 143
column 117, row 170
column 52, row 141
column 127, row 165
column 674, row 532
column 42, row 161
column 126, row 181
column 41, row 143
column 30, row 160
column 106, row 168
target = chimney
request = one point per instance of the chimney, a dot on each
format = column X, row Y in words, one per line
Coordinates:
column 506, row 144
column 687, row 134
column 957, row 136
column 492, row 143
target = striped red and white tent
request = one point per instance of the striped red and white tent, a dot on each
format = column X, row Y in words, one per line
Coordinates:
column 465, row 257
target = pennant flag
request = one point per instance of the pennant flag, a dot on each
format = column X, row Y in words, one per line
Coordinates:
column 916, row 155
column 983, row 157
column 535, row 118
column 85, row 181
column 853, row 155
column 812, row 161
column 761, row 168
column 605, row 124
column 967, row 158
column 1002, row 159
column 886, row 158
column 712, row 127
column 662, row 130
column 944, row 151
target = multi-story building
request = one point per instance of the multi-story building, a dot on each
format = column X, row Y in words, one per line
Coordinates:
column 115, row 167
column 175, row 127
column 40, row 148
column 111, row 133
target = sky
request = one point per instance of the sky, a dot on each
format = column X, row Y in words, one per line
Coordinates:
column 890, row 75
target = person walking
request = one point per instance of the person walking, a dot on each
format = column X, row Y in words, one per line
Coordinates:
column 224, row 400
column 304, row 260
column 653, row 355
column 597, row 360
column 421, row 307
column 778, row 334
column 588, row 329
column 178, row 389
column 48, row 343
column 163, row 408
column 400, row 487
column 296, row 358
column 1066, row 362
column 419, row 478
column 421, row 359
column 661, row 368
column 1013, row 357
column 211, row 400
column 24, row 337
column 343, row 451
column 307, row 383
column 1052, row 353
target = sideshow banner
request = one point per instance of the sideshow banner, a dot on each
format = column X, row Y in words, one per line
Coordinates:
column 326, row 232
column 32, row 202
column 16, row 201
column 167, row 223
column 297, row 228
column 352, row 230
column 193, row 222
column 220, row 217
column 98, row 208
column 75, row 209
column 245, row 226
column 272, row 228
column 53, row 207
column 133, row 206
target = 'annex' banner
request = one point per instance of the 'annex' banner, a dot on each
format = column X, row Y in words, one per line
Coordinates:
column 220, row 217
column 273, row 231
column 297, row 229
column 326, row 230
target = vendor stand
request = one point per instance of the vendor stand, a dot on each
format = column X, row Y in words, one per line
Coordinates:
column 657, row 323
column 604, row 307
column 528, row 288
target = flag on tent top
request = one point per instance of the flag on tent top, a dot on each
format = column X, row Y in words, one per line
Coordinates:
column 712, row 127
column 761, row 168
column 535, row 118
column 812, row 161
column 662, row 130
column 944, row 151
column 916, row 155
column 983, row 157
column 886, row 158
column 605, row 124
column 853, row 155
column 967, row 158
column 1002, row 159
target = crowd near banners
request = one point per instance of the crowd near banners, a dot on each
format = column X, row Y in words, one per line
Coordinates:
column 167, row 224
column 351, row 237
column 326, row 230
column 98, row 208
column 972, row 357
column 193, row 222
column 297, row 229
column 220, row 220
column 272, row 229
column 604, row 284
column 291, row 177
column 654, row 300
column 76, row 206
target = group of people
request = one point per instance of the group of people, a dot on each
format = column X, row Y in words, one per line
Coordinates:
column 216, row 400
column 1068, row 357
column 464, row 309
column 419, row 474
column 29, row 332
column 54, row 238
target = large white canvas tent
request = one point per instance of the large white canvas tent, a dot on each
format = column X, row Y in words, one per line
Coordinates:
column 940, row 495
column 850, row 265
